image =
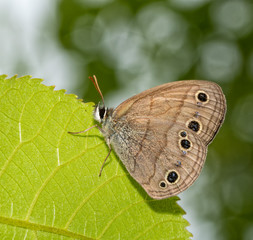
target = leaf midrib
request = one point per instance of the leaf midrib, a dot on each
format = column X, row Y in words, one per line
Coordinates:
column 43, row 228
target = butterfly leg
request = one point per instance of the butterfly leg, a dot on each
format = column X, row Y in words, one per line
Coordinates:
column 110, row 149
column 86, row 129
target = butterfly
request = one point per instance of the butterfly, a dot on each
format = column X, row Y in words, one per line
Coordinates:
column 161, row 135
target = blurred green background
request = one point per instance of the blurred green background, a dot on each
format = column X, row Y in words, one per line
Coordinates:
column 132, row 45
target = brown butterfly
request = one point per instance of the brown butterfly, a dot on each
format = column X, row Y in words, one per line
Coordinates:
column 161, row 135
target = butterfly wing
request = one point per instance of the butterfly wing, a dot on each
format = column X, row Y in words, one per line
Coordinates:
column 161, row 135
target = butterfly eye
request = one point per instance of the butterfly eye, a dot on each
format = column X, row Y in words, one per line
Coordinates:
column 172, row 176
column 102, row 112
column 99, row 113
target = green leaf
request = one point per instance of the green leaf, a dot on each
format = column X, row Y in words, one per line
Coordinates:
column 49, row 184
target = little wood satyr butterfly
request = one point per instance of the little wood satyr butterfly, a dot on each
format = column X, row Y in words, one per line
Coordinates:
column 161, row 135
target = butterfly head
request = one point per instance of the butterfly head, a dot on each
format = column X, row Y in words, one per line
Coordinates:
column 101, row 113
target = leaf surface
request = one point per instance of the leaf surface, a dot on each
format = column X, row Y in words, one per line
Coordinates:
column 49, row 184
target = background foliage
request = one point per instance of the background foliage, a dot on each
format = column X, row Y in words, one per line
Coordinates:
column 134, row 45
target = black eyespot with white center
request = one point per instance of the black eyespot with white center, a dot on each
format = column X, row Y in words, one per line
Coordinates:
column 194, row 126
column 183, row 134
column 162, row 184
column 186, row 144
column 202, row 97
column 172, row 177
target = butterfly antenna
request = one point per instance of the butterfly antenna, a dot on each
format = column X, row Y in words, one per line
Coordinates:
column 95, row 82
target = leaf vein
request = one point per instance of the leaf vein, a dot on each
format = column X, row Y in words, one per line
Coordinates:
column 120, row 213
column 85, row 200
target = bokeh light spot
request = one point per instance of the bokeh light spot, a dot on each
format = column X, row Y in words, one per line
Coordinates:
column 235, row 16
column 188, row 4
column 220, row 60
